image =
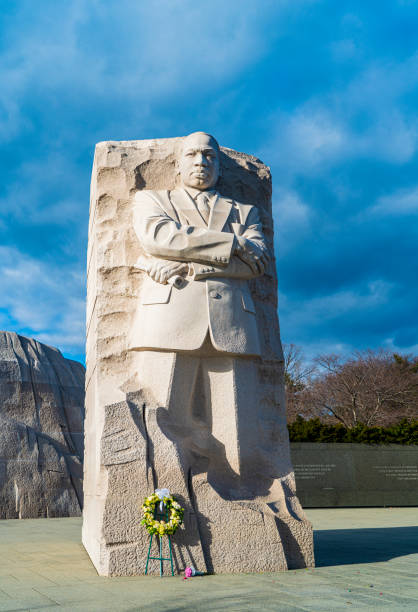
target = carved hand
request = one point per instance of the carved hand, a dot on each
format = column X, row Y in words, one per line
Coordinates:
column 252, row 254
column 161, row 270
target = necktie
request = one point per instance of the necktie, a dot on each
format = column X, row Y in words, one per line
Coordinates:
column 203, row 207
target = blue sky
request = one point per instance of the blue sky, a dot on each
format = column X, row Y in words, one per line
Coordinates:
column 324, row 92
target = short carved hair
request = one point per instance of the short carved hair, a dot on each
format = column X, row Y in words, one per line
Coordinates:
column 212, row 139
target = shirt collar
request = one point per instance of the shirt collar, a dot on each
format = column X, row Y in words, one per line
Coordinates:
column 193, row 193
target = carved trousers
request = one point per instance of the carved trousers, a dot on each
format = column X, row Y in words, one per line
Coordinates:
column 211, row 403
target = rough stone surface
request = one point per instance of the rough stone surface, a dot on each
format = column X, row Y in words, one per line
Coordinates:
column 132, row 443
column 41, row 430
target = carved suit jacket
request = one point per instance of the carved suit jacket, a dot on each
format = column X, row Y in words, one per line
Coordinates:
column 216, row 299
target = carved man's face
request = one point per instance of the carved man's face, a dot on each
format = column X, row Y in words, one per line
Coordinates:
column 199, row 162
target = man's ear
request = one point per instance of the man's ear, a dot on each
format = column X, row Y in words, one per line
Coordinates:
column 177, row 177
column 177, row 154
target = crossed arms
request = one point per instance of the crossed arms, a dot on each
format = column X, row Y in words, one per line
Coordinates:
column 177, row 249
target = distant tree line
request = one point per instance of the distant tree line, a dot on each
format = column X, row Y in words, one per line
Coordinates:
column 372, row 388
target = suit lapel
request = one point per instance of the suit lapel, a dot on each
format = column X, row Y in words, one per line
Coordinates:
column 219, row 213
column 186, row 208
column 244, row 210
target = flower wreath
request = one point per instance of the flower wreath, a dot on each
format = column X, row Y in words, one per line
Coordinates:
column 172, row 509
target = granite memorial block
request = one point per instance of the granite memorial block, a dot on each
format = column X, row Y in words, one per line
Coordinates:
column 184, row 385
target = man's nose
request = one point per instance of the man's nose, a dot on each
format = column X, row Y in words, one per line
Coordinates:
column 200, row 160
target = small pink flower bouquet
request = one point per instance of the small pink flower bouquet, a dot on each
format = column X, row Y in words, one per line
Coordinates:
column 189, row 572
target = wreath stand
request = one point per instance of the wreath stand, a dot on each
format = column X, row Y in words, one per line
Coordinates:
column 158, row 516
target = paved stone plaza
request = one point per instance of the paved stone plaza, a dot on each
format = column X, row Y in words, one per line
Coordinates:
column 366, row 558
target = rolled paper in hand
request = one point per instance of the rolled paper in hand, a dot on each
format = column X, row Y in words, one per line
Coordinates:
column 143, row 264
column 177, row 281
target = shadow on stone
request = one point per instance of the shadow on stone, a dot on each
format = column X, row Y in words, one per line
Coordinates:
column 351, row 546
column 237, row 183
column 294, row 555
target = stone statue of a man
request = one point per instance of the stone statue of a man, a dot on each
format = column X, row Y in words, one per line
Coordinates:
column 198, row 336
column 185, row 382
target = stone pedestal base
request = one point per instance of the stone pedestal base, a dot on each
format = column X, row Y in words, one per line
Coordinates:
column 220, row 534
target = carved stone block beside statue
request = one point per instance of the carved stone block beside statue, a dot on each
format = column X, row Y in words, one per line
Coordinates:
column 184, row 384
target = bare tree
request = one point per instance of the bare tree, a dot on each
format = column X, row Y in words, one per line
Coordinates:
column 371, row 387
column 297, row 374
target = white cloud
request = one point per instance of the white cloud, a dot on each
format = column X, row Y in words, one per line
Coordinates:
column 402, row 202
column 315, row 136
column 304, row 140
column 41, row 297
column 138, row 53
column 34, row 195
column 364, row 119
column 316, row 311
column 390, row 344
column 292, row 219
column 307, row 320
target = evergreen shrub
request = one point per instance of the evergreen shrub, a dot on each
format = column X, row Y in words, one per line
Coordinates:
column 313, row 430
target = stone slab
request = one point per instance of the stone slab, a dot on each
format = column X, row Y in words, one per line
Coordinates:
column 344, row 475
